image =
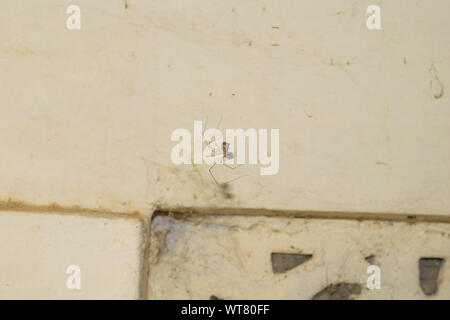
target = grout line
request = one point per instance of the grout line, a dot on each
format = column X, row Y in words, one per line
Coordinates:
column 145, row 265
column 54, row 208
column 200, row 211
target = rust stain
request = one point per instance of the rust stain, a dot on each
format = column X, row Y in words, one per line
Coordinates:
column 435, row 82
column 441, row 89
column 381, row 163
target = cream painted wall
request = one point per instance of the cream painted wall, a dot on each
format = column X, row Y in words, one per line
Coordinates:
column 86, row 118
column 36, row 250
column 87, row 115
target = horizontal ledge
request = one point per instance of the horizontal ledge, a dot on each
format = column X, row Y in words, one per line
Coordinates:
column 410, row 218
column 54, row 208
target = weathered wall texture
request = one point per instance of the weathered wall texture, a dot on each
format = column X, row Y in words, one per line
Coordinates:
column 86, row 118
column 183, row 267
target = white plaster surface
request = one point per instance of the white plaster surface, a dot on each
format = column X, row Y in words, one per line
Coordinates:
column 86, row 116
column 36, row 249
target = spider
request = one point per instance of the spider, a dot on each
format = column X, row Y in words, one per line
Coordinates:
column 223, row 150
column 225, row 155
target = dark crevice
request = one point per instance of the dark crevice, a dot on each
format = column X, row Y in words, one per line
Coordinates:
column 429, row 269
column 282, row 262
column 340, row 291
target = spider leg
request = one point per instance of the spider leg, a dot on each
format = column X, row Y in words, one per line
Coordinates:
column 212, row 175
column 229, row 181
column 204, row 128
column 231, row 167
column 218, row 123
column 212, row 143
column 226, row 182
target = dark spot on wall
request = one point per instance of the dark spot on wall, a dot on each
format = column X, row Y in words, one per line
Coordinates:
column 225, row 191
column 282, row 262
column 214, row 298
column 340, row 291
column 429, row 269
column 370, row 259
column 307, row 114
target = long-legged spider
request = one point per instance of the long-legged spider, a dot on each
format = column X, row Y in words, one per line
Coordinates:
column 225, row 155
column 221, row 150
